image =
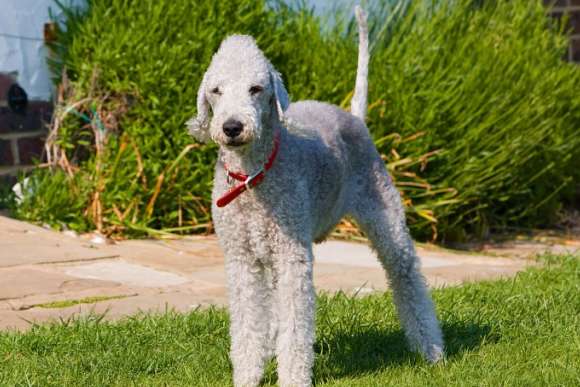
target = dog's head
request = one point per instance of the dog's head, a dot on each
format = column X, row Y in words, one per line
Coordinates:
column 240, row 96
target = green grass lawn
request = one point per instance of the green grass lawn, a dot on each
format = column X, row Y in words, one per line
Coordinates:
column 523, row 331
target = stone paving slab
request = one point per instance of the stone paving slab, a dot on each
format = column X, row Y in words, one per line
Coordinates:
column 20, row 282
column 127, row 273
column 184, row 256
column 23, row 243
column 38, row 301
column 115, row 309
column 525, row 248
column 39, row 266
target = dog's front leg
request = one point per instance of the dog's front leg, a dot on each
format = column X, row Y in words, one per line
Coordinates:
column 295, row 300
column 249, row 329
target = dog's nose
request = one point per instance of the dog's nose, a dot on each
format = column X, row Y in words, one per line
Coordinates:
column 233, row 127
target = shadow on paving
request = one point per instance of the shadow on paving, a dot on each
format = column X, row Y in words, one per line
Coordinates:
column 354, row 354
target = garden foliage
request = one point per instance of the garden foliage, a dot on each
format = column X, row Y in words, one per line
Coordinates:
column 475, row 112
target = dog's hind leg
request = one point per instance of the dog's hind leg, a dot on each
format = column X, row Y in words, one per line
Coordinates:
column 380, row 214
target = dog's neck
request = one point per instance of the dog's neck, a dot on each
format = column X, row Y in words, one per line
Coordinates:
column 251, row 158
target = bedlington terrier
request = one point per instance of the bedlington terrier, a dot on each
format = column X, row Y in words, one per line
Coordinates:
column 286, row 174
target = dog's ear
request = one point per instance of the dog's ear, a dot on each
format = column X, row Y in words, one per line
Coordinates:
column 199, row 126
column 280, row 94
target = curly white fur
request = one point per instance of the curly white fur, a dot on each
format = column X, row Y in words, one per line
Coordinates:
column 327, row 167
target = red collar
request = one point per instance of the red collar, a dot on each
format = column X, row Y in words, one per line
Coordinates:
column 248, row 181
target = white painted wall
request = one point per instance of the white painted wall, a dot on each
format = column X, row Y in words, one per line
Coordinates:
column 22, row 49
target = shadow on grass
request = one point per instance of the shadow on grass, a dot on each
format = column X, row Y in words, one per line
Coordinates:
column 374, row 349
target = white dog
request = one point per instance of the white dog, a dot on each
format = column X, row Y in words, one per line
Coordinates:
column 286, row 174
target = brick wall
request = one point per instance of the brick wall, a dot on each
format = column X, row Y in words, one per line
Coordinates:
column 558, row 8
column 21, row 133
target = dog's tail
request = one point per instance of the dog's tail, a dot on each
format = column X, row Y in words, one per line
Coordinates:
column 358, row 104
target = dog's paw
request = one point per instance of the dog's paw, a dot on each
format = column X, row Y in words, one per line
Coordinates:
column 434, row 354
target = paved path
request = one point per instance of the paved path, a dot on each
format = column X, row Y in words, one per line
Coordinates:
column 39, row 267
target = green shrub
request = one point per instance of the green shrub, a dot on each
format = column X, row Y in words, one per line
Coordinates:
column 472, row 106
column 487, row 87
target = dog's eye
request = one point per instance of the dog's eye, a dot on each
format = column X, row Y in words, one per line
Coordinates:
column 256, row 89
column 216, row 90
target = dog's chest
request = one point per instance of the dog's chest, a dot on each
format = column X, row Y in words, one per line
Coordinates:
column 245, row 228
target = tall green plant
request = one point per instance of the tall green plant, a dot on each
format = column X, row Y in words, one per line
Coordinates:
column 486, row 85
column 470, row 103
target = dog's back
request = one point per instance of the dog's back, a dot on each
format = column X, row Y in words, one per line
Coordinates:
column 336, row 154
column 337, row 149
